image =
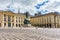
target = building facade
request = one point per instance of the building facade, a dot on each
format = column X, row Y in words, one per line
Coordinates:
column 11, row 20
column 50, row 20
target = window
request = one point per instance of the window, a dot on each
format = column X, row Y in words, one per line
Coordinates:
column 9, row 18
column 19, row 19
column 0, row 24
column 19, row 25
column 16, row 25
column 9, row 24
column 12, row 24
column 16, row 19
column 12, row 18
column 4, row 24
column 4, row 17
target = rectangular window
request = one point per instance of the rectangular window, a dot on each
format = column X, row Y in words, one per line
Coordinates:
column 9, row 24
column 4, row 17
column 16, row 19
column 19, row 19
column 4, row 24
column 12, row 24
column 12, row 18
column 19, row 25
column 9, row 18
column 0, row 24
column 16, row 25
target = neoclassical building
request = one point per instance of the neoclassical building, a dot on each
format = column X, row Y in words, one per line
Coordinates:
column 11, row 20
column 49, row 20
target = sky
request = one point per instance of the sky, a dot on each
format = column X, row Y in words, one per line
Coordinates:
column 32, row 6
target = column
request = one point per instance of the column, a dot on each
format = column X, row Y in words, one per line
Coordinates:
column 55, row 21
column 14, row 22
column 3, row 21
column 20, row 21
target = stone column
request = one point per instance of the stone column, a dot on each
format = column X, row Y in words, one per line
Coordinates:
column 3, row 21
column 14, row 22
column 20, row 21
column 55, row 21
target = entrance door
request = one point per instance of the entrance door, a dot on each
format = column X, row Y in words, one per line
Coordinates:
column 9, row 24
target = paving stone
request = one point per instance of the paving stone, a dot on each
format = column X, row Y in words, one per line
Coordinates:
column 28, row 34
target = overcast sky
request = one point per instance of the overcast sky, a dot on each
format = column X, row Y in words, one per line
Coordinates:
column 32, row 6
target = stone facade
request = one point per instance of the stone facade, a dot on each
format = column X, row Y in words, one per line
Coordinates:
column 50, row 20
column 11, row 20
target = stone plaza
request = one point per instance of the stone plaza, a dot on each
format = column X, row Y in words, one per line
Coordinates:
column 30, row 34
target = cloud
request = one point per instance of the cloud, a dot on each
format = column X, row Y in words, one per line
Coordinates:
column 43, row 6
column 26, row 2
column 24, row 5
column 54, row 6
column 51, row 6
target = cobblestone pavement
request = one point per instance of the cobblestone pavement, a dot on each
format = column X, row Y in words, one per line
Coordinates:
column 29, row 34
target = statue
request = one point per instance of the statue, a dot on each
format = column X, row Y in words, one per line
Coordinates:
column 27, row 19
column 27, row 14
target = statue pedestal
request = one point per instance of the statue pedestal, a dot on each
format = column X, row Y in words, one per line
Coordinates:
column 27, row 25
